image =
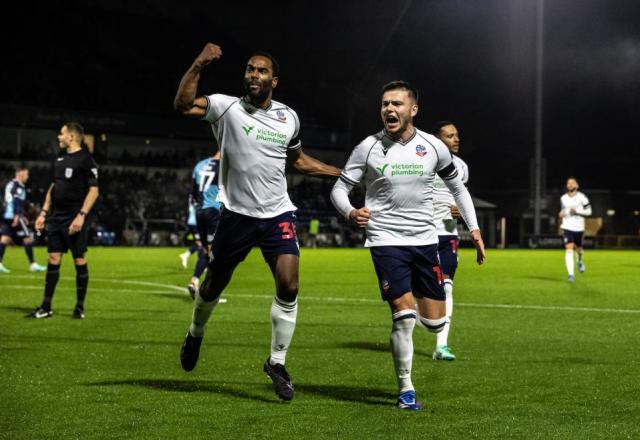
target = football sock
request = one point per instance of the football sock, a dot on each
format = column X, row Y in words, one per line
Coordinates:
column 2, row 248
column 283, row 324
column 201, row 313
column 201, row 265
column 568, row 260
column 443, row 337
column 28, row 249
column 579, row 255
column 50, row 281
column 82, row 281
column 194, row 247
column 402, row 347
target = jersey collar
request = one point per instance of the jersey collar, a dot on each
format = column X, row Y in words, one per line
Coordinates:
column 415, row 131
column 247, row 101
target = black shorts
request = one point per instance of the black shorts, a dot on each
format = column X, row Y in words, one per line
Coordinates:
column 237, row 234
column 448, row 254
column 193, row 230
column 574, row 237
column 59, row 240
column 17, row 233
column 403, row 269
column 207, row 220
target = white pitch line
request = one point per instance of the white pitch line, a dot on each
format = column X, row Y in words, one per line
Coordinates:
column 342, row 300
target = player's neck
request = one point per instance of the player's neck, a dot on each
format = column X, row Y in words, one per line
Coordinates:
column 572, row 193
column 263, row 104
column 73, row 148
column 404, row 136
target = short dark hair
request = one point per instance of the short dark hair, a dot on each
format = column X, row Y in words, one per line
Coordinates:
column 75, row 127
column 21, row 167
column 435, row 129
column 403, row 85
column 274, row 64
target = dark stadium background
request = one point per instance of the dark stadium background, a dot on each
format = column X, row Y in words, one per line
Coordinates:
column 115, row 66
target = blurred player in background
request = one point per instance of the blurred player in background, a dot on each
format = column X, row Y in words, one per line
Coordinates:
column 204, row 195
column 192, row 228
column 446, row 214
column 69, row 199
column 257, row 137
column 398, row 165
column 575, row 207
column 15, row 225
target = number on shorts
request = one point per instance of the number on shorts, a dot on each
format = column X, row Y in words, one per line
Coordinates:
column 438, row 272
column 288, row 230
column 454, row 246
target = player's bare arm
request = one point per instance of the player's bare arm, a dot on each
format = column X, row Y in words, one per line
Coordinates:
column 311, row 166
column 185, row 100
column 476, row 237
column 89, row 200
column 44, row 211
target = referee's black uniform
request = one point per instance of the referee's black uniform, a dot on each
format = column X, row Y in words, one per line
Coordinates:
column 74, row 174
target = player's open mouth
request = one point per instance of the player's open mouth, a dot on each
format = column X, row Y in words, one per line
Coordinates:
column 391, row 121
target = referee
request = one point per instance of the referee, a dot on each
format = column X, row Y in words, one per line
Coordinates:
column 70, row 197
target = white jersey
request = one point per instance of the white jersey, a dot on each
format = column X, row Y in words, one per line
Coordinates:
column 579, row 202
column 253, row 150
column 399, row 178
column 443, row 199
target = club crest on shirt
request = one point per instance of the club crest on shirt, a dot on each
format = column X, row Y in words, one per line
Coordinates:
column 421, row 150
column 280, row 114
column 68, row 172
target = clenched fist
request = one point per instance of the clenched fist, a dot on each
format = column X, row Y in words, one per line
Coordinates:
column 211, row 52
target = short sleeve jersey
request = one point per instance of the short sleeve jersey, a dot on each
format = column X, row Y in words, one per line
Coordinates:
column 15, row 195
column 205, row 184
column 443, row 199
column 573, row 222
column 399, row 179
column 254, row 143
column 73, row 175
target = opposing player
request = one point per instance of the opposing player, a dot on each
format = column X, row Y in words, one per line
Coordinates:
column 257, row 137
column 192, row 227
column 15, row 226
column 446, row 214
column 398, row 166
column 575, row 207
column 69, row 199
column 204, row 194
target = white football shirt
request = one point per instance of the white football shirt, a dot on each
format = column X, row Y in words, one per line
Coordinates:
column 399, row 177
column 443, row 199
column 253, row 150
column 579, row 202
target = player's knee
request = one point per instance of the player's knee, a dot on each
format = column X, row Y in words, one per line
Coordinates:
column 80, row 261
column 54, row 258
column 433, row 325
column 288, row 291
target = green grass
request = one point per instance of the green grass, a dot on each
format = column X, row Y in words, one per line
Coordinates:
column 566, row 369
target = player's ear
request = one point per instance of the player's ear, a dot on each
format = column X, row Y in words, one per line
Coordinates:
column 274, row 82
column 414, row 110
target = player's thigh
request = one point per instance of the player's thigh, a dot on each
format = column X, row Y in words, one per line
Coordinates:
column 405, row 301
column 431, row 308
column 285, row 270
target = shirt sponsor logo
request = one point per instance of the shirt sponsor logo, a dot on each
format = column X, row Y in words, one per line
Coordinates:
column 68, row 172
column 273, row 137
column 381, row 169
column 95, row 172
column 247, row 129
column 421, row 150
column 407, row 169
column 280, row 114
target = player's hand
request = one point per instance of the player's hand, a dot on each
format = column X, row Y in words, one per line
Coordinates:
column 479, row 244
column 15, row 221
column 360, row 216
column 40, row 223
column 76, row 224
column 455, row 212
column 211, row 52
column 572, row 211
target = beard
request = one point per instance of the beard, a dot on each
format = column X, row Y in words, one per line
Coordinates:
column 259, row 94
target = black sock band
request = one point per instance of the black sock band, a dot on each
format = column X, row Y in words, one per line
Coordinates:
column 2, row 248
column 28, row 249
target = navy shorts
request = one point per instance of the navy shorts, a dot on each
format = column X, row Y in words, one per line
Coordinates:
column 574, row 237
column 208, row 220
column 193, row 230
column 17, row 233
column 403, row 269
column 448, row 253
column 59, row 240
column 237, row 234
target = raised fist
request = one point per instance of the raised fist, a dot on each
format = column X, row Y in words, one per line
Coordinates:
column 211, row 52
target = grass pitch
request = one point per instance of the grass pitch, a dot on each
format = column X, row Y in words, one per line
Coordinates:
column 537, row 357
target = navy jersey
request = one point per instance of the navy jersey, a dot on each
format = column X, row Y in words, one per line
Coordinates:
column 15, row 196
column 205, row 184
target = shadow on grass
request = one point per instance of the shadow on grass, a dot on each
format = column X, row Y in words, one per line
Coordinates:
column 182, row 297
column 369, row 396
column 382, row 347
column 191, row 386
column 22, row 310
column 541, row 278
